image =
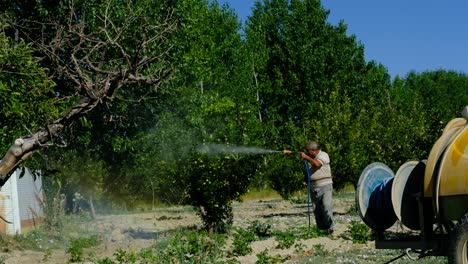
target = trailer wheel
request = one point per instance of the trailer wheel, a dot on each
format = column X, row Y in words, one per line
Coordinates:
column 458, row 245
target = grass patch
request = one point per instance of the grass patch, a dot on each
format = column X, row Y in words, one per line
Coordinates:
column 71, row 236
column 20, row 242
column 344, row 196
column 347, row 188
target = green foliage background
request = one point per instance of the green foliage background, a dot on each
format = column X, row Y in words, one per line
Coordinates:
column 285, row 77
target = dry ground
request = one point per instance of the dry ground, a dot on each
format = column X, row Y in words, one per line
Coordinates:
column 141, row 230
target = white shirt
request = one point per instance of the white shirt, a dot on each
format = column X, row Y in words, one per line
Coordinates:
column 321, row 176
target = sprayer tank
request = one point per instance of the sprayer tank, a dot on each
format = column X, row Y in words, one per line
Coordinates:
column 446, row 174
column 383, row 197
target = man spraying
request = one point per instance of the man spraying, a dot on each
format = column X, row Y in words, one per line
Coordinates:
column 321, row 184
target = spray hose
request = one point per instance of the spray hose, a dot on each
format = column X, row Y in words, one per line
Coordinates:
column 308, row 190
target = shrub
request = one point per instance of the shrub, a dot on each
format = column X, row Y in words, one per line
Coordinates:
column 261, row 230
column 215, row 182
column 264, row 258
column 76, row 253
column 54, row 211
column 285, row 239
column 123, row 256
column 319, row 250
column 241, row 243
column 77, row 245
column 105, row 261
column 307, row 233
column 359, row 232
column 188, row 247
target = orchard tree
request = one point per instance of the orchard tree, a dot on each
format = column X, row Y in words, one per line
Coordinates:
column 26, row 92
column 443, row 94
column 313, row 83
column 96, row 53
column 215, row 104
column 215, row 180
column 419, row 106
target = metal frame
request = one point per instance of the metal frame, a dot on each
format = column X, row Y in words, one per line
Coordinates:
column 426, row 240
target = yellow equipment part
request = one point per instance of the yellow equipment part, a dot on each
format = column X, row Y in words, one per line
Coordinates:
column 453, row 171
column 447, row 164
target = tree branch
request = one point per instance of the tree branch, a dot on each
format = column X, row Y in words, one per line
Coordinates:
column 97, row 64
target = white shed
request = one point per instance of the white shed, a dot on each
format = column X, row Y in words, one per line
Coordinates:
column 21, row 202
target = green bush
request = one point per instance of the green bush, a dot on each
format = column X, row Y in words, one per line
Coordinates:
column 241, row 243
column 123, row 256
column 215, row 182
column 309, row 232
column 285, row 239
column 264, row 258
column 189, row 247
column 319, row 250
column 54, row 211
column 261, row 230
column 76, row 253
column 105, row 260
column 359, row 232
column 77, row 245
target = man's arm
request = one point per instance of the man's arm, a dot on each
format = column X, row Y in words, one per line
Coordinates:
column 313, row 161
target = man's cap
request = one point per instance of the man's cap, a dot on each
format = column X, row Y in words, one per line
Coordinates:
column 312, row 145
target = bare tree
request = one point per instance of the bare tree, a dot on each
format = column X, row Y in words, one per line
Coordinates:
column 119, row 53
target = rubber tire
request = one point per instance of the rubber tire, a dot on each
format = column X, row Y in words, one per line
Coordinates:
column 458, row 245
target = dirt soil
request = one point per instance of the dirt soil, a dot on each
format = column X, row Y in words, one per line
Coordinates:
column 138, row 231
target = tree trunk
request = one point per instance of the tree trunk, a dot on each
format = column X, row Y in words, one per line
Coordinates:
column 91, row 207
column 25, row 146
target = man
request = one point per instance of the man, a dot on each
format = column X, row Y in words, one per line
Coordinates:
column 321, row 185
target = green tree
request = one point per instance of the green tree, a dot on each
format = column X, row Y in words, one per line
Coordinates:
column 26, row 93
column 443, row 94
column 150, row 148
column 419, row 107
column 314, row 83
column 215, row 181
column 97, row 52
column 216, row 104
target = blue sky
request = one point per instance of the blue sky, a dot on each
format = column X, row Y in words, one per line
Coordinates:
column 419, row 35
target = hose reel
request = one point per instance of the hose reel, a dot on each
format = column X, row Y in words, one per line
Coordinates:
column 382, row 198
